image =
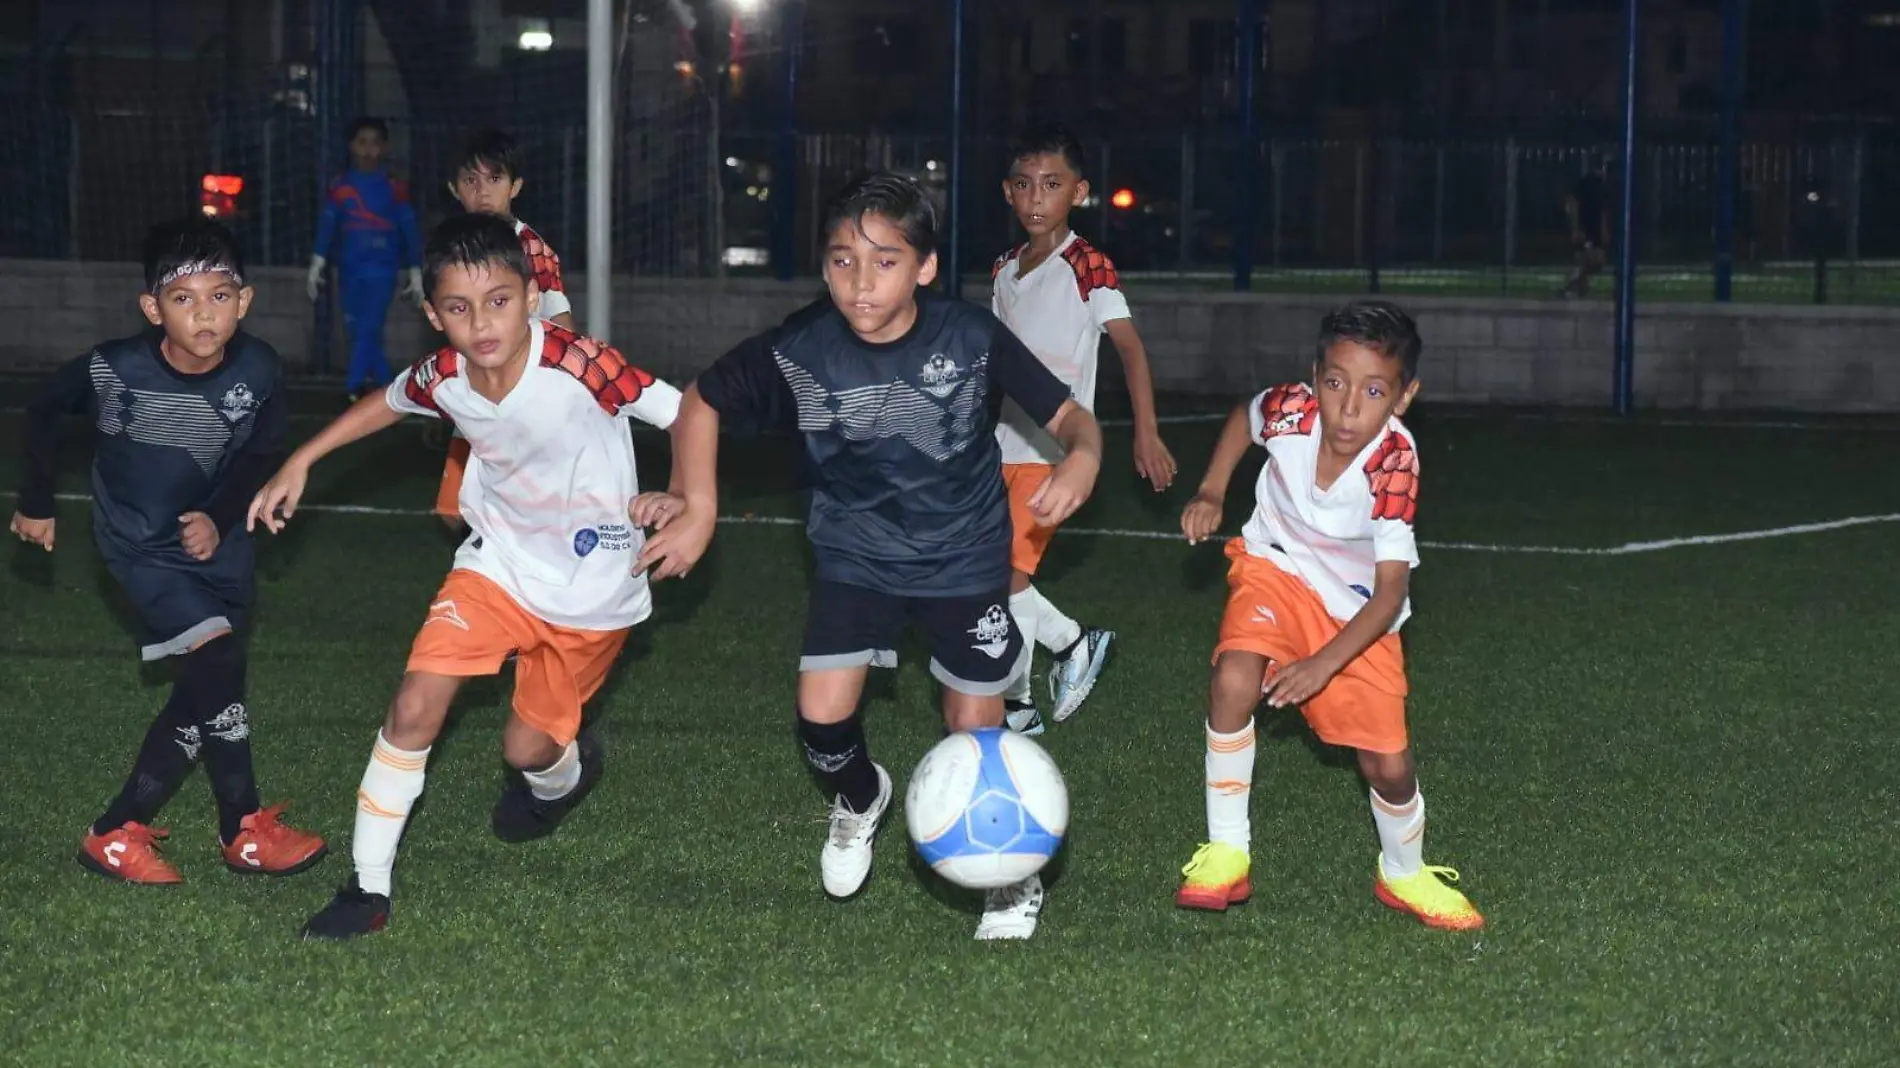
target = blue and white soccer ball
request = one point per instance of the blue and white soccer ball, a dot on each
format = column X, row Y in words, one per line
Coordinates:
column 986, row 808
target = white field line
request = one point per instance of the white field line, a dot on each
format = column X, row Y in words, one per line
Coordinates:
column 1628, row 548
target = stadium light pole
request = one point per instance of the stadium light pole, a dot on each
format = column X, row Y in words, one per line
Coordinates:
column 600, row 110
column 1624, row 379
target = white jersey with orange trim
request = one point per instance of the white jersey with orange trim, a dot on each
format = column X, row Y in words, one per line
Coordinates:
column 1059, row 310
column 550, row 474
column 1331, row 539
column 545, row 268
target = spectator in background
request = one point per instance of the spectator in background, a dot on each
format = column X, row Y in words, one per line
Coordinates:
column 380, row 239
column 1588, row 208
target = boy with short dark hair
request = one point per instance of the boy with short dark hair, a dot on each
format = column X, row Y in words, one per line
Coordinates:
column 190, row 418
column 488, row 179
column 894, row 395
column 547, row 572
column 1318, row 588
column 368, row 213
column 1060, row 295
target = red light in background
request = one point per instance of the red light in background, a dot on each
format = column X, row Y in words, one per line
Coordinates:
column 218, row 193
column 1123, row 199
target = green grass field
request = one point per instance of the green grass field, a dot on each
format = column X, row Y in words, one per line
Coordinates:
column 1666, row 774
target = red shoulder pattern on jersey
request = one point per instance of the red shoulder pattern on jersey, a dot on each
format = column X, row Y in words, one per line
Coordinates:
column 613, row 381
column 1393, row 475
column 1288, row 409
column 428, row 373
column 401, row 190
column 543, row 265
column 1092, row 268
column 996, row 269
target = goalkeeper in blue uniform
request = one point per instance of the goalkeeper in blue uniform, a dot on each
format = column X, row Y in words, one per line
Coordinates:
column 380, row 240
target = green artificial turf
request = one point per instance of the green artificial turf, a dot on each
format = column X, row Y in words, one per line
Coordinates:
column 1667, row 778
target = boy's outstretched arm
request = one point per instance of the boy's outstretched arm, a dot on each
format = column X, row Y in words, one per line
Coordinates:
column 1202, row 517
column 1069, row 485
column 683, row 517
column 277, row 501
column 1153, row 461
column 1299, row 681
column 743, row 392
column 65, row 393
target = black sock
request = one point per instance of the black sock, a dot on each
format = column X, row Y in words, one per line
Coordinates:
column 170, row 748
column 214, row 674
column 837, row 754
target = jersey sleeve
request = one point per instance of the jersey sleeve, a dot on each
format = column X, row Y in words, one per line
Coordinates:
column 620, row 388
column 67, row 392
column 1392, row 476
column 1098, row 282
column 1288, row 409
column 748, row 391
column 1024, row 378
column 413, row 391
column 252, row 466
column 545, row 267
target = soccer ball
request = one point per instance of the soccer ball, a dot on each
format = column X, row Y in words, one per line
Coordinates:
column 986, row 808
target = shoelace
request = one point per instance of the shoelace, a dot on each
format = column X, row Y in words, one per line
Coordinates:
column 846, row 824
column 149, row 837
column 1199, row 860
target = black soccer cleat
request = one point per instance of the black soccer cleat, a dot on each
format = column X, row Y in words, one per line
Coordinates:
column 522, row 817
column 351, row 914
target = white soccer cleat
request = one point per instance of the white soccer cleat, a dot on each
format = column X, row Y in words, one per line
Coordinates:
column 845, row 861
column 1071, row 680
column 1011, row 912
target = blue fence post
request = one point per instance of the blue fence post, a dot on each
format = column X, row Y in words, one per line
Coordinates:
column 1733, row 14
column 1626, row 220
column 954, row 260
column 1247, row 156
column 785, row 161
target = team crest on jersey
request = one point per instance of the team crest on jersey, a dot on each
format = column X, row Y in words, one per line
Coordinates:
column 992, row 632
column 238, row 402
column 585, row 541
column 940, row 376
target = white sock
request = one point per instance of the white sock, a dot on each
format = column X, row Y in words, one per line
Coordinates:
column 1054, row 630
column 558, row 779
column 1401, row 834
column 391, row 784
column 1230, row 786
column 1022, row 608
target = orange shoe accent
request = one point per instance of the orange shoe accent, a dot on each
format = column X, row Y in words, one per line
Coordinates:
column 130, row 855
column 1470, row 920
column 1214, row 898
column 267, row 846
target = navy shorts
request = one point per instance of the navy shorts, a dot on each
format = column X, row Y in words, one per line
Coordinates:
column 974, row 645
column 180, row 604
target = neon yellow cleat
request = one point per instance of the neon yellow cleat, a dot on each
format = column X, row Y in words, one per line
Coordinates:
column 1428, row 896
column 1216, row 878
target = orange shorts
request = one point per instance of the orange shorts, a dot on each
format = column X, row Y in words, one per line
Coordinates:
column 1030, row 541
column 1274, row 614
column 473, row 626
column 447, row 498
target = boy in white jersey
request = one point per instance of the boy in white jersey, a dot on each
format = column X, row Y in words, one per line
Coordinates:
column 547, row 572
column 1059, row 294
column 488, row 178
column 1317, row 592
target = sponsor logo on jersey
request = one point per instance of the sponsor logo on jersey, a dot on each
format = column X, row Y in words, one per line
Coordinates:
column 586, row 540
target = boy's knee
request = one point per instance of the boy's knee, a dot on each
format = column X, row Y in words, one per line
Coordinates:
column 1391, row 774
column 527, row 748
column 416, row 714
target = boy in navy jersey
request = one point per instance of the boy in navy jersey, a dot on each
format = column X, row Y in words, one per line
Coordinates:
column 190, row 419
column 895, row 395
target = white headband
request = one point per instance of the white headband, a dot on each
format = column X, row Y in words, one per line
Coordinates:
column 185, row 270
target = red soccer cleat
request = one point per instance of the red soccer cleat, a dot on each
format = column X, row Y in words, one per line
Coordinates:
column 266, row 846
column 130, row 855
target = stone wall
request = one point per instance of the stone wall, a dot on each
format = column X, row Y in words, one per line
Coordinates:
column 1689, row 356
